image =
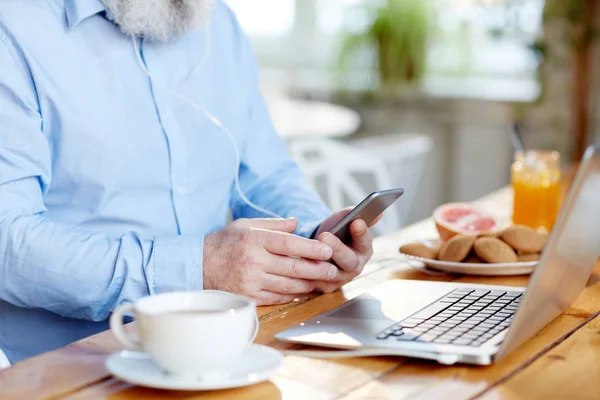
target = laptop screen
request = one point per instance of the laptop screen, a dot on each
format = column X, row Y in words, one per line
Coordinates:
column 572, row 250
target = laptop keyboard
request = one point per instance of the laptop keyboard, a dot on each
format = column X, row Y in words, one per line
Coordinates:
column 464, row 317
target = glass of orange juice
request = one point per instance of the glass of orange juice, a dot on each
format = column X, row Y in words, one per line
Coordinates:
column 535, row 179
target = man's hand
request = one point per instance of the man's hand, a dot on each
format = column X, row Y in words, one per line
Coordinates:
column 262, row 259
column 350, row 258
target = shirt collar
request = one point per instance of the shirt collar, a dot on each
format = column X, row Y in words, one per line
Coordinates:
column 78, row 10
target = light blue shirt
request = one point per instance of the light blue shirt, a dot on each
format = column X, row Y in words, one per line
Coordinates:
column 108, row 183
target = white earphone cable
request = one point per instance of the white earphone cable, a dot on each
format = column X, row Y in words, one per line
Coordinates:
column 210, row 117
column 206, row 53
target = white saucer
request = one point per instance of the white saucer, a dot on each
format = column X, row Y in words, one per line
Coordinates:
column 499, row 269
column 256, row 364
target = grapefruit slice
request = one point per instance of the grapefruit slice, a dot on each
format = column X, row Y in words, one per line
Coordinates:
column 462, row 218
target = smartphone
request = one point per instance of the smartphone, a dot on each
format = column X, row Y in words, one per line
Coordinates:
column 368, row 209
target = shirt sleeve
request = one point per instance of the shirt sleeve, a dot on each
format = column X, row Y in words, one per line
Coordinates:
column 62, row 268
column 268, row 176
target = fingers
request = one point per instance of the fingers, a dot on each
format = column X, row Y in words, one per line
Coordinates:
column 286, row 285
column 286, row 244
column 271, row 224
column 343, row 256
column 266, row 298
column 295, row 267
column 362, row 240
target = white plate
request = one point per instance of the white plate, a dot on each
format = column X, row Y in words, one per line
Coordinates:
column 256, row 364
column 505, row 269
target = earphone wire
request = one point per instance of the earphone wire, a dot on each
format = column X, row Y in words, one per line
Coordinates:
column 206, row 53
column 209, row 116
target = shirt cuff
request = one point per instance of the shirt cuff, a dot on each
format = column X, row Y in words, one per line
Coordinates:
column 177, row 264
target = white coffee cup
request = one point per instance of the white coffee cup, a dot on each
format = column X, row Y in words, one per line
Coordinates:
column 189, row 333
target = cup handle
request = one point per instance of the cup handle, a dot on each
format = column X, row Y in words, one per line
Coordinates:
column 256, row 326
column 118, row 329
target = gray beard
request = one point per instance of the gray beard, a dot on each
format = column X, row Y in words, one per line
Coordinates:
column 161, row 20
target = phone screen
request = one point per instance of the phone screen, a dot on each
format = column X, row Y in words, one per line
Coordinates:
column 368, row 209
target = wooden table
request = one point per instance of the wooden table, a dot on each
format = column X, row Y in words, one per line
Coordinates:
column 561, row 362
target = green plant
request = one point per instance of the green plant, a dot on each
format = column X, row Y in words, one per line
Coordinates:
column 398, row 34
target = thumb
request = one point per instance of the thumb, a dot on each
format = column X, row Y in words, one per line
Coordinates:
column 272, row 224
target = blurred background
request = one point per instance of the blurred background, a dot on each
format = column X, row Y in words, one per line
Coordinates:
column 421, row 94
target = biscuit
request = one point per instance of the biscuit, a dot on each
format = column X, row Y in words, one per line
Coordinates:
column 419, row 249
column 491, row 234
column 524, row 239
column 494, row 250
column 457, row 248
column 474, row 259
column 528, row 257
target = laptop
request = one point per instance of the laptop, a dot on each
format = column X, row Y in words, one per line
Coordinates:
column 468, row 323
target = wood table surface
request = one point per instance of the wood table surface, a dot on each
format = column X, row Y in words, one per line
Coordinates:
column 562, row 361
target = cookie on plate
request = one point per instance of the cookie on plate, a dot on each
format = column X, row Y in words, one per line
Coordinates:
column 473, row 258
column 524, row 239
column 418, row 249
column 528, row 257
column 457, row 248
column 494, row 250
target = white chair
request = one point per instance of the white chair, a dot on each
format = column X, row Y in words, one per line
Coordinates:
column 343, row 174
column 4, row 363
column 405, row 156
column 332, row 167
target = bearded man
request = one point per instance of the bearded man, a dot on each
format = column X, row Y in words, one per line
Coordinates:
column 115, row 186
